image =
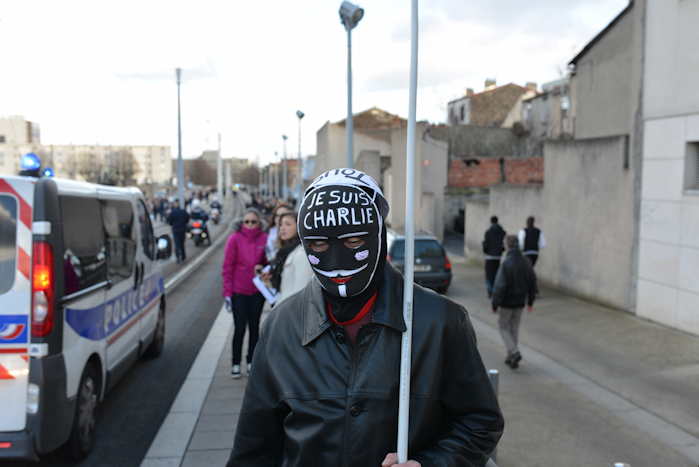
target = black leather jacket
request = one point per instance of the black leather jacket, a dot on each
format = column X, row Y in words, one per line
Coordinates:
column 314, row 399
column 515, row 282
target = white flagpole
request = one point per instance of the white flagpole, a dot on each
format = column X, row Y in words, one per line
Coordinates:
column 406, row 344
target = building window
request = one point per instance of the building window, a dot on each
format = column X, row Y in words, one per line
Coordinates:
column 462, row 113
column 2, row 138
column 691, row 167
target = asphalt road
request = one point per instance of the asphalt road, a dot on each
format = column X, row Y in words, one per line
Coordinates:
column 131, row 414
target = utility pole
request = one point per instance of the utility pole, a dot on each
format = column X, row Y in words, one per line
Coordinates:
column 276, row 176
column 300, row 115
column 285, row 192
column 219, row 171
column 180, row 162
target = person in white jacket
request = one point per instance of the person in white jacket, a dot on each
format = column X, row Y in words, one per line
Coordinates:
column 290, row 268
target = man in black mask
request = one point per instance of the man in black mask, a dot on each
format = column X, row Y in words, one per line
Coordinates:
column 325, row 386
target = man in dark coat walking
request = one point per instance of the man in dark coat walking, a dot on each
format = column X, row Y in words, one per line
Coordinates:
column 178, row 219
column 325, row 386
column 493, row 247
column 515, row 286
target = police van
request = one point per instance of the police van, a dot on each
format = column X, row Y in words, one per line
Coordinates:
column 81, row 298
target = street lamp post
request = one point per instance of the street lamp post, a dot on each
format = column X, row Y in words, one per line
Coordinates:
column 350, row 15
column 300, row 115
column 180, row 163
column 276, row 176
column 219, row 171
column 285, row 193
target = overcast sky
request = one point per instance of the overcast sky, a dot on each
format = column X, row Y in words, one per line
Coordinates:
column 103, row 72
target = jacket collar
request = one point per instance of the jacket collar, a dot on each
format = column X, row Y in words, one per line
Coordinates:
column 388, row 310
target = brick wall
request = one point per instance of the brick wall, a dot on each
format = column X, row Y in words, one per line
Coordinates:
column 484, row 172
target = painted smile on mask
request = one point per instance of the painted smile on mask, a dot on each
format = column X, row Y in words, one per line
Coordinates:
column 340, row 276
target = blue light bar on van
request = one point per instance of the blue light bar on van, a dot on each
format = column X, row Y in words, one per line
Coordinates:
column 48, row 172
column 30, row 161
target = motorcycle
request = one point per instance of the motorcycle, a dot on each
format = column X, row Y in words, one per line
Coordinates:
column 198, row 232
column 215, row 215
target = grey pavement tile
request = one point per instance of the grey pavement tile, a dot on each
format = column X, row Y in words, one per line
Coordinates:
column 206, row 440
column 161, row 462
column 225, row 393
column 220, row 407
column 224, row 422
column 210, row 458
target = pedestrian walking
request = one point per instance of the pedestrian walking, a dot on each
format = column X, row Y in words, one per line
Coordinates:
column 515, row 286
column 325, row 386
column 531, row 241
column 291, row 271
column 244, row 258
column 271, row 247
column 178, row 219
column 493, row 247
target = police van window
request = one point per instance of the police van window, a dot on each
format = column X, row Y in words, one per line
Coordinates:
column 147, row 238
column 8, row 242
column 121, row 245
column 84, row 252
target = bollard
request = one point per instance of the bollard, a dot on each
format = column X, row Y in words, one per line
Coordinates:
column 494, row 377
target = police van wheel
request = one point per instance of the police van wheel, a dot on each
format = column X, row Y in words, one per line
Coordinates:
column 155, row 348
column 82, row 435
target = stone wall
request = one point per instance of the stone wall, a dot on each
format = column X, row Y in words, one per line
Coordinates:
column 585, row 208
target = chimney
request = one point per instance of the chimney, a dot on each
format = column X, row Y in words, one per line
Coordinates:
column 469, row 92
column 490, row 83
column 531, row 85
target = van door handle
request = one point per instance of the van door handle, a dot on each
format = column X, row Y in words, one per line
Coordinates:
column 137, row 273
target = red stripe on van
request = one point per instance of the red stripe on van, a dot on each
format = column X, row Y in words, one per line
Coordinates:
column 4, row 374
column 25, row 211
column 23, row 262
column 13, row 350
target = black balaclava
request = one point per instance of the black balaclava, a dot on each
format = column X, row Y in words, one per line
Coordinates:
column 338, row 205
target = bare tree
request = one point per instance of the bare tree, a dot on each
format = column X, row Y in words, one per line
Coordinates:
column 120, row 168
column 90, row 166
column 71, row 166
column 250, row 175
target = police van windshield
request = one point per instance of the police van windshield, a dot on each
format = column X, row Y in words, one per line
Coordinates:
column 8, row 242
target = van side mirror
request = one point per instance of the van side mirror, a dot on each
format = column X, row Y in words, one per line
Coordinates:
column 164, row 247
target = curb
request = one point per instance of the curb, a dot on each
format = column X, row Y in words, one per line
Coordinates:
column 170, row 444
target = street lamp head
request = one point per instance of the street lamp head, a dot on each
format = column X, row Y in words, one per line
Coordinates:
column 299, row 114
column 350, row 15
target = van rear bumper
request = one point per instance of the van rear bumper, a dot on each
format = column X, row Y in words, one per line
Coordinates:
column 21, row 446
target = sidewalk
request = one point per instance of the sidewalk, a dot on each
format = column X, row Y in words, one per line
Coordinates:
column 646, row 372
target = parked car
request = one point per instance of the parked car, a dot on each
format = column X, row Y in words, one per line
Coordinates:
column 432, row 266
column 81, row 298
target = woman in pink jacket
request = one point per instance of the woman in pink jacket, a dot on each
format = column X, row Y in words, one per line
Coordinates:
column 245, row 255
